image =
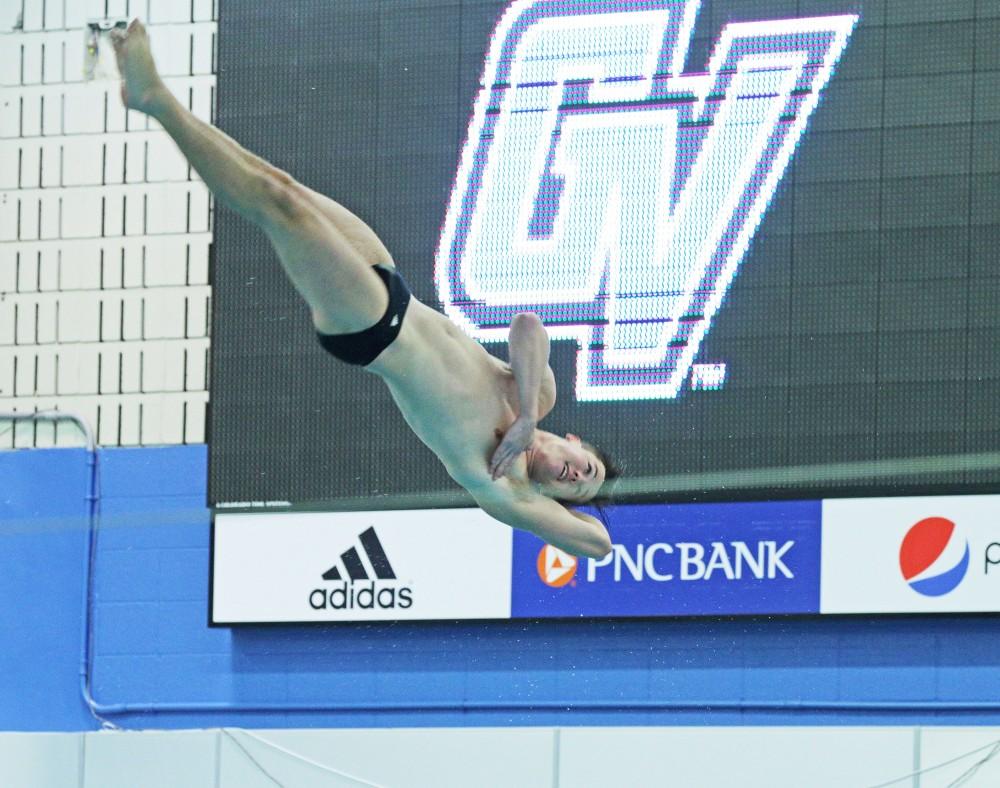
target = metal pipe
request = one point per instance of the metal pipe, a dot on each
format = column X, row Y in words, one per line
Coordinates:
column 93, row 500
column 643, row 705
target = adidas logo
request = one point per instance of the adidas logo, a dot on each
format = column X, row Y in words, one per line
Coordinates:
column 352, row 561
column 348, row 593
column 394, row 322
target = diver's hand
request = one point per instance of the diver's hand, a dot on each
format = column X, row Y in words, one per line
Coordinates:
column 519, row 437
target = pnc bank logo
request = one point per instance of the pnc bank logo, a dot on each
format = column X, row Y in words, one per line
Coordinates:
column 556, row 568
column 614, row 188
column 933, row 558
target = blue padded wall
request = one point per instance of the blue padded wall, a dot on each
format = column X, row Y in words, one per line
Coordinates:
column 153, row 647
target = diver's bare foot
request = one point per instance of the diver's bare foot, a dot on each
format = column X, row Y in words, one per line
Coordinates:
column 142, row 87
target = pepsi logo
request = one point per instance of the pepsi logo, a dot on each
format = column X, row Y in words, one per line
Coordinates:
column 555, row 567
column 933, row 558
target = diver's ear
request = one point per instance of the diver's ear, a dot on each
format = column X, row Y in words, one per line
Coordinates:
column 574, row 438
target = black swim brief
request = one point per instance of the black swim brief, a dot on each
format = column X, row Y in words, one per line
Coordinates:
column 363, row 347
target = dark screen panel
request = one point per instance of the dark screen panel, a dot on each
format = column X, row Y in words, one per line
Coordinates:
column 859, row 337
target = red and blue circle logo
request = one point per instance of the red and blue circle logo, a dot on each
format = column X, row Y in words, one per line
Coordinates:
column 929, row 558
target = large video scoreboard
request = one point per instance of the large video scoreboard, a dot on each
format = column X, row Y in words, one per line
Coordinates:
column 762, row 235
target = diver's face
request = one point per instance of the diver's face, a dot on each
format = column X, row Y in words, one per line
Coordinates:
column 564, row 468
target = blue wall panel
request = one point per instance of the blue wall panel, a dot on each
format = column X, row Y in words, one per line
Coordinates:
column 153, row 647
column 43, row 537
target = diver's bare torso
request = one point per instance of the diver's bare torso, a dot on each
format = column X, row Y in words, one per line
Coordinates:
column 453, row 394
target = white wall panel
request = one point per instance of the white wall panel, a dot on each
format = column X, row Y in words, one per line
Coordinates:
column 164, row 314
column 79, row 318
column 129, row 422
column 111, row 363
column 433, row 758
column 10, row 64
column 197, row 262
column 31, row 54
column 135, row 160
column 10, row 118
column 24, row 374
column 130, row 376
column 194, row 419
column 168, row 208
column 79, row 265
column 196, row 366
column 50, row 107
column 9, row 164
column 201, row 50
column 27, row 270
column 50, row 210
column 164, row 161
column 165, row 262
column 48, row 268
column 52, row 57
column 203, row 10
column 197, row 315
column 116, row 8
column 53, row 14
column 150, row 421
column 83, row 110
column 45, row 374
column 199, row 221
column 114, row 159
column 46, row 321
column 81, row 213
column 748, row 757
column 40, row 760
column 7, row 322
column 202, row 98
column 27, row 172
column 135, row 208
column 28, row 217
column 8, row 267
column 111, row 318
column 112, row 213
column 171, row 421
column 51, row 159
column 82, row 161
column 6, row 372
column 106, row 429
column 78, row 11
column 155, row 759
column 24, row 322
column 31, row 113
column 131, row 256
column 938, row 745
column 172, row 48
column 9, row 207
column 132, row 318
column 32, row 15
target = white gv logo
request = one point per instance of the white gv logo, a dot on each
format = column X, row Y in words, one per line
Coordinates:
column 605, row 189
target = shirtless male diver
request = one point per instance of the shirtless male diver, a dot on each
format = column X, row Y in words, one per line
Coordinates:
column 456, row 397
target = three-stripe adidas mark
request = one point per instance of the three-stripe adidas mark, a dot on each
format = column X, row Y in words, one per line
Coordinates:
column 355, row 568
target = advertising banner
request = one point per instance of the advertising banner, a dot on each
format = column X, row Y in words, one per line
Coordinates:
column 680, row 560
column 359, row 566
column 911, row 555
column 875, row 555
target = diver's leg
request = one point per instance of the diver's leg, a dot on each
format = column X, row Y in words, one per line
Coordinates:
column 356, row 231
column 327, row 269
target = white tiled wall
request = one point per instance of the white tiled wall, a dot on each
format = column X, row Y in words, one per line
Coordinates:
column 104, row 230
